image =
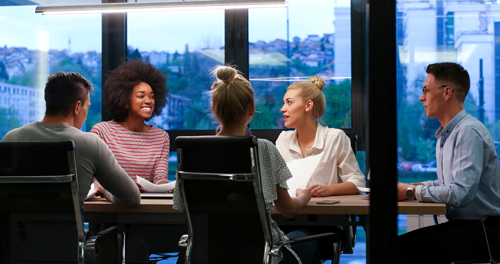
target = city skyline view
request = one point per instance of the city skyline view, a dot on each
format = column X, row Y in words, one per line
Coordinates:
column 51, row 32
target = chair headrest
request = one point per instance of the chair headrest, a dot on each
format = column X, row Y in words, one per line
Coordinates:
column 215, row 141
column 38, row 146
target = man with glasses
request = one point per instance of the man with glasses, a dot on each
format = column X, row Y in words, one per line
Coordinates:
column 468, row 176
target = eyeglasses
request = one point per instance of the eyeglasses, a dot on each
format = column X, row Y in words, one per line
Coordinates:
column 425, row 90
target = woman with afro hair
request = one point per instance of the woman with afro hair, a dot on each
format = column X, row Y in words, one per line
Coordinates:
column 134, row 92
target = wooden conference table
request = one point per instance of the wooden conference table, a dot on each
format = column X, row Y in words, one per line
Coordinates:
column 161, row 211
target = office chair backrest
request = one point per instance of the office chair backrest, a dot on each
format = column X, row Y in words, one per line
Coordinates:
column 354, row 142
column 39, row 194
column 350, row 231
column 219, row 179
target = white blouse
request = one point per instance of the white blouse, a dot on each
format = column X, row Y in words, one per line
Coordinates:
column 338, row 163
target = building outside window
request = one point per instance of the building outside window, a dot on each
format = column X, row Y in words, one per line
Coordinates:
column 35, row 46
column 293, row 44
column 185, row 45
column 465, row 32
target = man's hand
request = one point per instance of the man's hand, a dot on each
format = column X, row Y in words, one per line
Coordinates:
column 100, row 189
column 402, row 187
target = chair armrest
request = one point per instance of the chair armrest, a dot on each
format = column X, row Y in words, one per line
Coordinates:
column 183, row 242
column 276, row 248
column 313, row 237
column 491, row 220
column 90, row 241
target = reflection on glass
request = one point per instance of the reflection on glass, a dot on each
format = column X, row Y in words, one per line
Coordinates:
column 186, row 45
column 292, row 44
column 36, row 46
column 465, row 32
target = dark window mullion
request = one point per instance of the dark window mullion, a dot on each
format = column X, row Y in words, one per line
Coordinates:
column 381, row 132
column 236, row 39
column 114, row 45
column 358, row 80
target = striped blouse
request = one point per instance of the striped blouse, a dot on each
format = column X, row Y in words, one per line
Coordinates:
column 139, row 153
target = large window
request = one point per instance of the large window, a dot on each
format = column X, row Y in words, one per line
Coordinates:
column 35, row 46
column 465, row 32
column 292, row 44
column 185, row 45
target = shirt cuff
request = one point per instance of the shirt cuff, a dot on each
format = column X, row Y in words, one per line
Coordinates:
column 418, row 193
column 425, row 183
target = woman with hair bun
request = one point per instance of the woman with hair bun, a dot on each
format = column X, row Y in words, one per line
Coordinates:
column 233, row 106
column 338, row 171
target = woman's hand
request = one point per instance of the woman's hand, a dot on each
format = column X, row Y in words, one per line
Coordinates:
column 320, row 190
column 161, row 182
column 141, row 189
column 164, row 182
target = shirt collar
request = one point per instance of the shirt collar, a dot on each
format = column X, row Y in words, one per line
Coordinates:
column 318, row 139
column 444, row 132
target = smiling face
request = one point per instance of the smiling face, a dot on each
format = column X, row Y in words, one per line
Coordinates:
column 142, row 102
column 294, row 108
column 433, row 98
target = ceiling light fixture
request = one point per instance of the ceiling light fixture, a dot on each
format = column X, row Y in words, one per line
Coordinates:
column 157, row 6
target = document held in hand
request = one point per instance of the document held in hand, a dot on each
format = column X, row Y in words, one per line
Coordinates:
column 92, row 192
column 150, row 187
column 301, row 170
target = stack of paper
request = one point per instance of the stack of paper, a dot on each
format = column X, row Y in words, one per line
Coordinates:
column 150, row 187
column 301, row 170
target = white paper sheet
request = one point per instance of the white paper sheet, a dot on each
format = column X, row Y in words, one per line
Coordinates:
column 150, row 187
column 301, row 170
column 92, row 192
column 363, row 189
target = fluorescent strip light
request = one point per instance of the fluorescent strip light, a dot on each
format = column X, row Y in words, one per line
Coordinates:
column 157, row 7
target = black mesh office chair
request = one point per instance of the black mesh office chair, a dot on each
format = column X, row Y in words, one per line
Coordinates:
column 223, row 202
column 492, row 221
column 350, row 231
column 39, row 204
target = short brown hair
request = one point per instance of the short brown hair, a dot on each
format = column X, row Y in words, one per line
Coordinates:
column 62, row 90
column 121, row 82
column 454, row 74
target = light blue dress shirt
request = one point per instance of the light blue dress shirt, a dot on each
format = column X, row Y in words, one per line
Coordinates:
column 468, row 170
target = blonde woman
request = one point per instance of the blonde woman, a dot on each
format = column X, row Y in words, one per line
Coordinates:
column 338, row 171
column 233, row 106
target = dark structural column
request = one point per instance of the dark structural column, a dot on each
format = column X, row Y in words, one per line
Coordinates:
column 381, row 83
column 236, row 39
column 114, row 45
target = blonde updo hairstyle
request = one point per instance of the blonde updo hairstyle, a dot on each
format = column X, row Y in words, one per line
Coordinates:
column 311, row 90
column 232, row 94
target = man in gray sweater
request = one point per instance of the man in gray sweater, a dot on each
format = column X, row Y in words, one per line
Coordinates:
column 67, row 97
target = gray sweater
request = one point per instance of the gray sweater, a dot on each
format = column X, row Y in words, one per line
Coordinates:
column 93, row 159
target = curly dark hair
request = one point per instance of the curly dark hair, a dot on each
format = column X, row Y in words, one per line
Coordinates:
column 121, row 82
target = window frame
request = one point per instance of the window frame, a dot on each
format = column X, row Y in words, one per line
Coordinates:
column 114, row 37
